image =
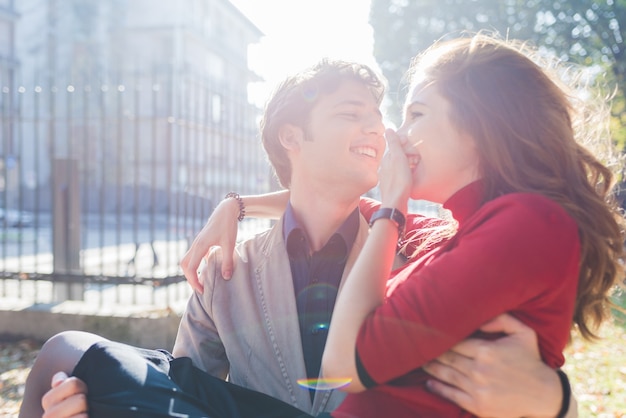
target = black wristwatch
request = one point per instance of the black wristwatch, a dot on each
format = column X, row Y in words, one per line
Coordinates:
column 393, row 215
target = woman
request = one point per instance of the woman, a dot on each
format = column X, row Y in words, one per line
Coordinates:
column 488, row 134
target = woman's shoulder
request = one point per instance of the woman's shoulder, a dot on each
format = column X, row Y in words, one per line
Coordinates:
column 530, row 210
column 526, row 225
column 533, row 202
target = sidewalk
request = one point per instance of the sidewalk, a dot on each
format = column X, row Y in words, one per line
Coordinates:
column 136, row 314
column 142, row 324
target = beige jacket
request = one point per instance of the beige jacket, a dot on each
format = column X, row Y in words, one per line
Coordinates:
column 247, row 328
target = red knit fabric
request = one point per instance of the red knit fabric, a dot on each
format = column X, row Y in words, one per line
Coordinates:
column 518, row 253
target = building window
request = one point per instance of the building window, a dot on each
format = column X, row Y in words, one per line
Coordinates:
column 214, row 66
column 216, row 108
column 5, row 40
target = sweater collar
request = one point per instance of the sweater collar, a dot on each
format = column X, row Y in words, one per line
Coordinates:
column 466, row 201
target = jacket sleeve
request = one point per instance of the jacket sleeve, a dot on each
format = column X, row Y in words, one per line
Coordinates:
column 198, row 336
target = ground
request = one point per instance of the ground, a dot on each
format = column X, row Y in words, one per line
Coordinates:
column 597, row 372
column 16, row 358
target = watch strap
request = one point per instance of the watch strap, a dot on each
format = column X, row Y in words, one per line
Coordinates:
column 393, row 215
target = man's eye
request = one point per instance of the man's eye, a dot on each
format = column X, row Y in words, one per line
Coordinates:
column 414, row 115
column 349, row 115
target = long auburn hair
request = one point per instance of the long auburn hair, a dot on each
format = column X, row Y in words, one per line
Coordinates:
column 534, row 134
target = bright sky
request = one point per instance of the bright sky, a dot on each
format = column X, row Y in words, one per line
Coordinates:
column 300, row 32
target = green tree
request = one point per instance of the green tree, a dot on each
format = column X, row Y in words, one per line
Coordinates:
column 403, row 28
column 589, row 32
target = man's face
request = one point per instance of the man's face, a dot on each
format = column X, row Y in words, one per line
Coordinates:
column 344, row 140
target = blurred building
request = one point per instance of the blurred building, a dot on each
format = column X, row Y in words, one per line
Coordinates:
column 122, row 123
column 146, row 101
column 8, row 66
column 8, row 63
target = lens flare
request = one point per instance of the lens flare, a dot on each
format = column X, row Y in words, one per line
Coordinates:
column 310, row 94
column 324, row 384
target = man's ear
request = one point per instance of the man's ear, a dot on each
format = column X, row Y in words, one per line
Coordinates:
column 290, row 136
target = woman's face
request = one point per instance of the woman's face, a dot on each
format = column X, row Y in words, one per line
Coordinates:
column 442, row 158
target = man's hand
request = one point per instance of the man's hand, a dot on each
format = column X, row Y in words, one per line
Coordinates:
column 219, row 231
column 499, row 378
column 66, row 399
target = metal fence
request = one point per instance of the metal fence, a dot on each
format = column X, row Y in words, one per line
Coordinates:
column 104, row 181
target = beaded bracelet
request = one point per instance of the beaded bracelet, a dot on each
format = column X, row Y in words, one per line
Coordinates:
column 242, row 208
column 567, row 393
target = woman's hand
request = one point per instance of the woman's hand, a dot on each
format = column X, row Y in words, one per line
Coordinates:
column 395, row 178
column 499, row 378
column 220, row 230
column 66, row 399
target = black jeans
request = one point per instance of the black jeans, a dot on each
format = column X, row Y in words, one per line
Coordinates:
column 130, row 382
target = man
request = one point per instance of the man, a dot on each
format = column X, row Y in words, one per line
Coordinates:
column 323, row 134
column 266, row 327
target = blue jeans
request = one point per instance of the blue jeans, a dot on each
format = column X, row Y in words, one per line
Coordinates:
column 129, row 382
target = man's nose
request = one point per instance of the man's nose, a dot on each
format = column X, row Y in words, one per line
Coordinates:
column 375, row 125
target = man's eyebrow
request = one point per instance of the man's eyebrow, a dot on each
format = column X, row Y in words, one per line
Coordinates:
column 355, row 103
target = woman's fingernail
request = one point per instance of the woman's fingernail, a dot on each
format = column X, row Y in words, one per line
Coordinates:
column 58, row 378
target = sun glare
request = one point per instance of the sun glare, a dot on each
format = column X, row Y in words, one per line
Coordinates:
column 300, row 32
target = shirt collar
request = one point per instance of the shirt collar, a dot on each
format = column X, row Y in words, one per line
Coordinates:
column 347, row 231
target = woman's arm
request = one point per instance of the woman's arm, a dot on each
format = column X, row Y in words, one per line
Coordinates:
column 364, row 288
column 500, row 378
column 267, row 206
column 221, row 230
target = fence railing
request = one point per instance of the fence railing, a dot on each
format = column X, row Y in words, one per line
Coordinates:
column 104, row 183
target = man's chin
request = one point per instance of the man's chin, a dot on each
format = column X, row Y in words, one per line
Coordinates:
column 369, row 186
column 361, row 183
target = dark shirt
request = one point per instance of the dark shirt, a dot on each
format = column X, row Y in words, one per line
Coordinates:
column 316, row 277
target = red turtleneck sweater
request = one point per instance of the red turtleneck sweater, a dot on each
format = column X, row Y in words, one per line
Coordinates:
column 518, row 253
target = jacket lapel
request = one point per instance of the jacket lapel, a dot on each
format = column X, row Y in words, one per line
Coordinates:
column 277, row 300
